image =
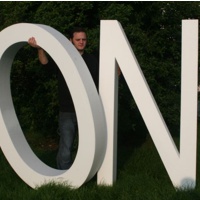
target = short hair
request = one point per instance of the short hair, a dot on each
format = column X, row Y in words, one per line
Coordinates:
column 74, row 30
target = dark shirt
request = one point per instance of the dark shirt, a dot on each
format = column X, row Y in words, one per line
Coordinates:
column 64, row 96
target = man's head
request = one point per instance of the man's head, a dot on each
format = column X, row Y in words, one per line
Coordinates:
column 79, row 39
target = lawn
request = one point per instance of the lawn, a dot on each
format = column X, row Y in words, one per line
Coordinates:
column 141, row 175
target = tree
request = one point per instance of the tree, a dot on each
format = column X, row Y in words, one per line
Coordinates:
column 153, row 30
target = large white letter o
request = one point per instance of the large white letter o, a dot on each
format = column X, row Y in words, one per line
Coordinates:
column 90, row 115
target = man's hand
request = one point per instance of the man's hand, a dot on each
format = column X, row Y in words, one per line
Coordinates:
column 41, row 53
column 32, row 42
column 119, row 71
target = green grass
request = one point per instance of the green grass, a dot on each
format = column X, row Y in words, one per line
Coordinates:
column 141, row 176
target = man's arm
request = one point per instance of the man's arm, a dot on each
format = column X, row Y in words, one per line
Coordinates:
column 41, row 53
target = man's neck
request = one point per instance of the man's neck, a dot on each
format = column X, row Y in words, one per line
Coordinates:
column 81, row 52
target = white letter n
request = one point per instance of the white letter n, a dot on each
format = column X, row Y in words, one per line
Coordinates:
column 114, row 46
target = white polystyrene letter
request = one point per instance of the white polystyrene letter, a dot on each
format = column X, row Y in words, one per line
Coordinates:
column 181, row 167
column 90, row 115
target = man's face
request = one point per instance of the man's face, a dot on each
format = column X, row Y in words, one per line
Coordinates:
column 79, row 40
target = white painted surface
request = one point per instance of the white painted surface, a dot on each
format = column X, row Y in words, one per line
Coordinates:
column 91, row 120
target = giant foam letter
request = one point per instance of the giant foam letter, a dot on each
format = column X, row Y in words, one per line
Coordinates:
column 114, row 45
column 91, row 120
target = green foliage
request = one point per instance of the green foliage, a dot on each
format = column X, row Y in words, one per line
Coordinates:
column 34, row 92
column 153, row 30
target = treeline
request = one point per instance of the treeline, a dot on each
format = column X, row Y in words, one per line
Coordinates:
column 153, row 30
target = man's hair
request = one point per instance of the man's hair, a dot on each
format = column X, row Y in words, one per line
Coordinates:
column 75, row 30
